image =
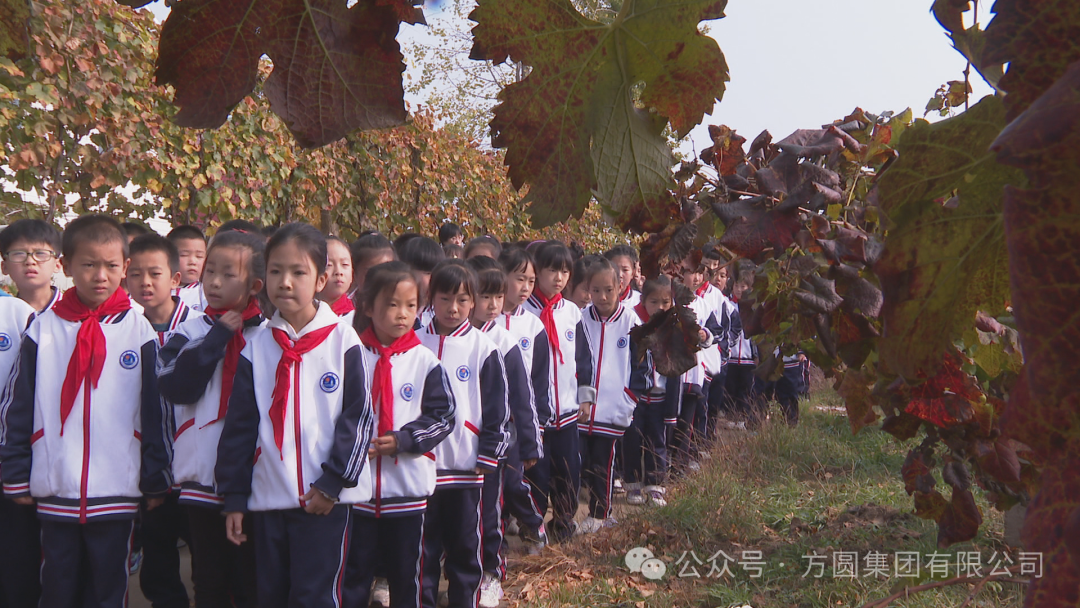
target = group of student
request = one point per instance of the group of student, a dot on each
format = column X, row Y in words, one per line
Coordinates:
column 316, row 415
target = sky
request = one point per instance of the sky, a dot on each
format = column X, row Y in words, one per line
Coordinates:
column 799, row 64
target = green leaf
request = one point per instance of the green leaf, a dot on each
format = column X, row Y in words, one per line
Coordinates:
column 573, row 127
column 941, row 264
column 14, row 37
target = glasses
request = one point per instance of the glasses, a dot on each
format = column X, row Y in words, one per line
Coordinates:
column 41, row 255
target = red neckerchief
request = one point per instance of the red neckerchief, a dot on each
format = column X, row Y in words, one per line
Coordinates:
column 700, row 291
column 641, row 312
column 343, row 305
column 626, row 293
column 547, row 317
column 291, row 352
column 382, row 385
column 232, row 354
column 88, row 359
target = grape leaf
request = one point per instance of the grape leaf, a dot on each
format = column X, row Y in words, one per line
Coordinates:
column 14, row 35
column 941, row 265
column 946, row 398
column 336, row 69
column 581, row 123
column 1043, row 237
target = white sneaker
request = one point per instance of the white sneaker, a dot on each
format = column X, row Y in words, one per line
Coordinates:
column 590, row 525
column 693, row 465
column 634, row 495
column 617, row 486
column 381, row 594
column 512, row 527
column 490, row 591
column 656, row 495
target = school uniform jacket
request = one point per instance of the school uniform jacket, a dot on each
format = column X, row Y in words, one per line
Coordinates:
column 743, row 351
column 15, row 315
column 524, row 425
column 631, row 298
column 657, row 394
column 720, row 306
column 619, row 375
column 531, row 338
column 190, row 379
column 424, row 412
column 480, row 437
column 114, row 443
column 192, row 295
column 569, row 379
column 705, row 307
column 327, row 423
column 182, row 312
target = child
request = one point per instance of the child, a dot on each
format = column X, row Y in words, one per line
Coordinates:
column 134, row 229
column 367, row 252
column 483, row 246
column 297, row 425
column 451, row 234
column 477, row 443
column 197, row 370
column 414, row 412
column 338, row 290
column 523, row 428
column 646, row 459
column 422, row 254
column 152, row 275
column 452, row 251
column 191, row 245
column 618, row 379
column 739, row 390
column 625, row 260
column 87, row 440
column 557, row 476
column 577, row 289
column 528, row 331
column 31, row 250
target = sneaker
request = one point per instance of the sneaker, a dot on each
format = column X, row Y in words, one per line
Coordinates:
column 134, row 562
column 693, row 465
column 560, row 533
column 633, row 494
column 490, row 591
column 381, row 594
column 536, row 539
column 656, row 495
column 512, row 527
column 617, row 486
column 592, row 525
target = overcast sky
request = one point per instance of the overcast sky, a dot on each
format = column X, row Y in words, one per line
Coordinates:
column 803, row 63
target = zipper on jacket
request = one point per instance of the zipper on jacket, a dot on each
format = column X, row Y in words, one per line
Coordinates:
column 86, row 451
column 599, row 366
column 296, row 434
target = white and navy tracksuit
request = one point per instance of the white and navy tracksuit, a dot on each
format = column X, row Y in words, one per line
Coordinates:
column 19, row 530
column 630, row 298
column 388, row 527
column 89, row 471
column 691, row 424
column 192, row 295
column 619, row 377
column 715, row 358
column 524, row 426
column 741, row 393
column 190, row 377
column 160, row 529
column 789, row 386
column 556, row 478
column 645, row 442
column 316, row 435
column 532, row 341
column 479, row 440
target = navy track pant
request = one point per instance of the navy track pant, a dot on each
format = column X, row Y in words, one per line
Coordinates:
column 300, row 557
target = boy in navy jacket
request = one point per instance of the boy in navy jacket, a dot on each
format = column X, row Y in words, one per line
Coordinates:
column 87, row 440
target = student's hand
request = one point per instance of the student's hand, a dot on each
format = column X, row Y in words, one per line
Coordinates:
column 585, row 411
column 25, row 501
column 482, row 470
column 234, row 528
column 384, row 446
column 528, row 463
column 233, row 320
column 702, row 336
column 316, row 503
column 153, row 503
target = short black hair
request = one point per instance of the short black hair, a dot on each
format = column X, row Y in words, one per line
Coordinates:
column 453, row 250
column 450, row 276
column 403, row 239
column 622, row 251
column 483, row 241
column 422, row 253
column 490, row 281
column 134, row 229
column 100, row 229
column 380, row 279
column 516, row 259
column 449, row 230
column 241, row 225
column 152, row 242
column 365, row 248
column 307, row 238
column 30, row 231
column 597, row 265
column 582, row 270
column 185, row 232
column 652, row 286
column 554, row 255
column 480, row 263
column 252, row 241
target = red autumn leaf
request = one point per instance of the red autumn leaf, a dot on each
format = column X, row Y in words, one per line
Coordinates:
column 575, row 126
column 960, row 521
column 855, row 389
column 336, row 69
column 726, row 153
column 916, row 473
column 754, row 230
column 998, row 459
column 946, row 398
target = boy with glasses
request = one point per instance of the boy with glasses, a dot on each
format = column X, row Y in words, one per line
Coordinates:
column 31, row 256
